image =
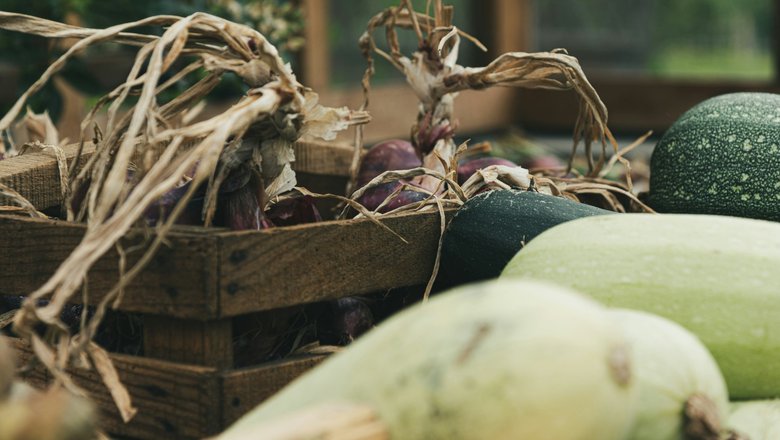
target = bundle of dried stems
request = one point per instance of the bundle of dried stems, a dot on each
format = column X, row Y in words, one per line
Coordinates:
column 148, row 147
column 435, row 76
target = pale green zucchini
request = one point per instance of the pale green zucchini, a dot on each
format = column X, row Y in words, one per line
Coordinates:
column 717, row 276
column 496, row 360
column 680, row 386
column 756, row 419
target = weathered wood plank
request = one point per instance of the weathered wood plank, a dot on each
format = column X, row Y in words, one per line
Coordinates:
column 36, row 176
column 173, row 400
column 207, row 343
column 307, row 263
column 246, row 388
column 177, row 400
column 207, row 274
column 180, row 281
column 323, row 158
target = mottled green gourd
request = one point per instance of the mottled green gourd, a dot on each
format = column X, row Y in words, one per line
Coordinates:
column 721, row 157
column 717, row 276
column 489, row 229
column 496, row 360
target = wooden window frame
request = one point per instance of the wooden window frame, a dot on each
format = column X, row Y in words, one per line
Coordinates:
column 635, row 104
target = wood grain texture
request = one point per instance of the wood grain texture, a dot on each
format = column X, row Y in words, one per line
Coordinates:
column 323, row 158
column 248, row 387
column 207, row 274
column 36, row 176
column 207, row 343
column 635, row 104
column 307, row 263
column 173, row 400
column 180, row 281
column 177, row 400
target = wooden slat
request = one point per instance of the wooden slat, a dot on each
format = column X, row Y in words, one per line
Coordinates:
column 323, row 158
column 209, row 274
column 635, row 104
column 207, row 343
column 176, row 400
column 307, row 263
column 512, row 26
column 180, row 281
column 36, row 176
column 246, row 388
column 173, row 400
column 316, row 52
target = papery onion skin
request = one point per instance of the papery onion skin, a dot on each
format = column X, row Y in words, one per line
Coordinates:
column 391, row 155
column 374, row 197
column 294, row 211
column 344, row 320
column 468, row 168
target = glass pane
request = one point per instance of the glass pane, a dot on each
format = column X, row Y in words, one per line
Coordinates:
column 347, row 21
column 698, row 39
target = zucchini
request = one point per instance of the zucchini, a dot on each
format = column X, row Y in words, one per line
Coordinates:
column 680, row 386
column 495, row 360
column 716, row 276
column 489, row 229
column 721, row 157
column 756, row 419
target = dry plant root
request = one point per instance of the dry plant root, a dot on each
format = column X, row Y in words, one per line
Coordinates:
column 163, row 143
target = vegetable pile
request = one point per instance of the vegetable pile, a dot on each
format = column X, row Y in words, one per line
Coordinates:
column 530, row 348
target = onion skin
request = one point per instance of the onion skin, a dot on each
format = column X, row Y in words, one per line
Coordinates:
column 374, row 197
column 468, row 168
column 542, row 163
column 294, row 211
column 241, row 211
column 343, row 321
column 389, row 155
column 395, row 154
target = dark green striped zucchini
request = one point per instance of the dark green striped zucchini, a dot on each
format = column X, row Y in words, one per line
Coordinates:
column 490, row 228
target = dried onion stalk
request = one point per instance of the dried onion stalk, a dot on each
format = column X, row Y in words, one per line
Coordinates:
column 163, row 143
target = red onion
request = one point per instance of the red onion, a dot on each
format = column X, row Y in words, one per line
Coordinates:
column 469, row 167
column 394, row 154
column 344, row 320
column 542, row 163
column 294, row 211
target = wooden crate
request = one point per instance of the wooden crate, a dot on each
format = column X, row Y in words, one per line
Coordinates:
column 186, row 384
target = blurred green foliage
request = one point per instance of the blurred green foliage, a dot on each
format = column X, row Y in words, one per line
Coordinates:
column 698, row 39
column 105, row 66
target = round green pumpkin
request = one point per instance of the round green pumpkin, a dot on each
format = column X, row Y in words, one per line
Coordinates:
column 721, row 157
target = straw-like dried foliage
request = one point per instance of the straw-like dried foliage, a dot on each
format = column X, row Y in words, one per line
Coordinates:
column 435, row 76
column 149, row 146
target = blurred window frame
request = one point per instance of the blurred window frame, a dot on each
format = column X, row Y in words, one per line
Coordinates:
column 635, row 103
